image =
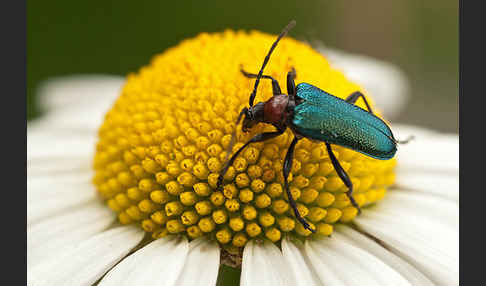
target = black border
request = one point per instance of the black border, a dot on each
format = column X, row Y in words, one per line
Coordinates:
column 14, row 139
column 472, row 51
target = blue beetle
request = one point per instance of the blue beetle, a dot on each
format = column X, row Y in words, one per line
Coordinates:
column 315, row 114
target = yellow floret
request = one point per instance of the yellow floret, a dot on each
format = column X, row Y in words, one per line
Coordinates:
column 266, row 219
column 220, row 216
column 232, row 205
column 174, row 226
column 159, row 217
column 223, row 236
column 236, row 223
column 194, row 231
column 253, row 229
column 159, row 196
column 189, row 217
column 203, row 207
column 188, row 198
column 324, row 229
column 239, row 240
column 246, row 196
column 273, row 234
column 206, row 224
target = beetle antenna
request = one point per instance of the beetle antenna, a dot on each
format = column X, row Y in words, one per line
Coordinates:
column 410, row 138
column 282, row 34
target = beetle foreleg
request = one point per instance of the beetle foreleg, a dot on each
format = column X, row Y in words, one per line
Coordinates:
column 286, row 170
column 230, row 146
column 275, row 86
column 354, row 96
column 344, row 177
column 257, row 138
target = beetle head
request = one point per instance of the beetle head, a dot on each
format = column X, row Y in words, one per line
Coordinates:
column 253, row 115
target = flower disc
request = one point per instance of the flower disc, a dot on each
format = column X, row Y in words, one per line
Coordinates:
column 164, row 141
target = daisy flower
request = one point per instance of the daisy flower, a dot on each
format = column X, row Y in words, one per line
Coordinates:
column 122, row 176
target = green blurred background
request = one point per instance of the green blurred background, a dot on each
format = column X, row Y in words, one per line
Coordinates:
column 117, row 37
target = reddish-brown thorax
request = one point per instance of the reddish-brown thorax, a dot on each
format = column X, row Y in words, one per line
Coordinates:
column 275, row 110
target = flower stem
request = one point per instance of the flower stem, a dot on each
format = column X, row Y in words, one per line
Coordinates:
column 228, row 276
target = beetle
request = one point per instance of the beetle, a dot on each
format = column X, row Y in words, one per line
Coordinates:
column 312, row 113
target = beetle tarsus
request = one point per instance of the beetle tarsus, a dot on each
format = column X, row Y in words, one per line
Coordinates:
column 353, row 201
column 306, row 225
column 219, row 184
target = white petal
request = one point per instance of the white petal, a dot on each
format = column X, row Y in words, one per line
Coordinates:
column 324, row 271
column 59, row 173
column 59, row 166
column 47, row 144
column 51, row 236
column 438, row 184
column 76, row 102
column 424, row 239
column 202, row 264
column 337, row 262
column 82, row 119
column 298, row 263
column 432, row 154
column 263, row 264
column 347, row 234
column 408, row 204
column 386, row 83
column 86, row 262
column 51, row 152
column 38, row 186
column 158, row 263
column 68, row 91
column 50, row 195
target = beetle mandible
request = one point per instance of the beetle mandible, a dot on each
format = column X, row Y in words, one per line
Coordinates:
column 317, row 115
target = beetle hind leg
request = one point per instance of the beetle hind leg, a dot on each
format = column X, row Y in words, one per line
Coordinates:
column 344, row 177
column 286, row 170
column 355, row 96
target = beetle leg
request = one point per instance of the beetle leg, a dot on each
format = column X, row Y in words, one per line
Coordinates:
column 286, row 170
column 344, row 177
column 232, row 141
column 275, row 86
column 352, row 99
column 257, row 138
column 354, row 96
column 291, row 75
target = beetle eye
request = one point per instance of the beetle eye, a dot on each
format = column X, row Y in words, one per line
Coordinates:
column 249, row 114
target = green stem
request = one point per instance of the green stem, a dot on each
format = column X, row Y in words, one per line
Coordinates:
column 228, row 276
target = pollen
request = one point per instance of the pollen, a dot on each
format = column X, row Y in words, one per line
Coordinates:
column 165, row 139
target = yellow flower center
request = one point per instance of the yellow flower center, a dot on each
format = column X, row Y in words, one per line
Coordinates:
column 164, row 141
